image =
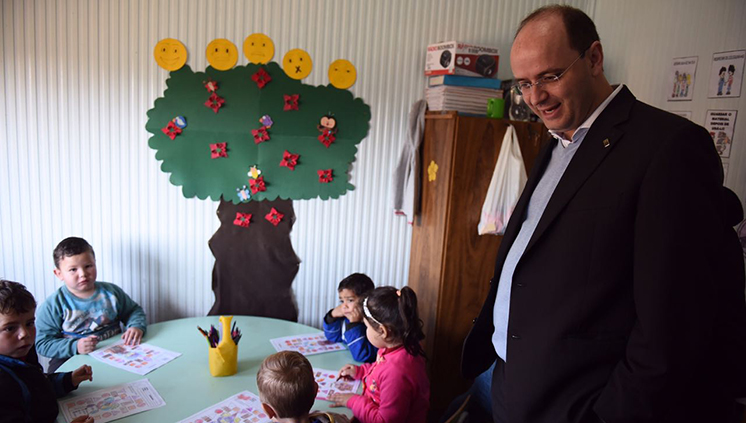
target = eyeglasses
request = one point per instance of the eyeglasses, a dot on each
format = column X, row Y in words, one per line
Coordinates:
column 525, row 87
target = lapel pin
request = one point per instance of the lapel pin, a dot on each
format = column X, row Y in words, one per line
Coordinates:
column 606, row 143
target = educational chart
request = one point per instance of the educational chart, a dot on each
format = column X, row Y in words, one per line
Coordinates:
column 681, row 79
column 721, row 124
column 308, row 344
column 726, row 74
column 141, row 359
column 243, row 407
column 328, row 384
column 113, row 403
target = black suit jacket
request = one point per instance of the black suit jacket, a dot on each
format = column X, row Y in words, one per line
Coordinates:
column 616, row 307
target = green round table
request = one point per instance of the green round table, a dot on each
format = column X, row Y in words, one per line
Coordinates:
column 185, row 384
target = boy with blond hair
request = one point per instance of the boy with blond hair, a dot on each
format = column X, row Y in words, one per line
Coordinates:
column 287, row 390
column 26, row 393
column 83, row 311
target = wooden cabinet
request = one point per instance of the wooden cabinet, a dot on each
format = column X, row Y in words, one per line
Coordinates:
column 450, row 264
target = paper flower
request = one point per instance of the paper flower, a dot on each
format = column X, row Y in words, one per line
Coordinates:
column 242, row 219
column 325, row 176
column 171, row 130
column 179, row 121
column 261, row 77
column 289, row 160
column 291, row 102
column 243, row 194
column 211, row 85
column 274, row 216
column 257, row 185
column 254, row 172
column 215, row 102
column 219, row 150
column 260, row 135
column 327, row 137
column 266, row 121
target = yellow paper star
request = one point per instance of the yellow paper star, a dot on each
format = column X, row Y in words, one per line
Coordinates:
column 432, row 171
column 254, row 172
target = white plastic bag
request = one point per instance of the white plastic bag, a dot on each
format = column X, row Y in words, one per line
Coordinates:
column 507, row 183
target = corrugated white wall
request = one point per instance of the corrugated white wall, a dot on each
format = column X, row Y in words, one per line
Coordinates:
column 640, row 39
column 77, row 78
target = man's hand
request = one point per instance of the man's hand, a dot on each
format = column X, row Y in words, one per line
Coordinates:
column 132, row 336
column 87, row 344
column 82, row 373
column 340, row 400
column 338, row 311
column 83, row 419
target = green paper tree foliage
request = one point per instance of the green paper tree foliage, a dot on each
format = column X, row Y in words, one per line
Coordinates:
column 188, row 157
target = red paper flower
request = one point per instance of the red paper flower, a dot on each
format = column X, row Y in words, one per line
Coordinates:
column 211, row 86
column 274, row 216
column 260, row 135
column 219, row 150
column 325, row 176
column 171, row 130
column 242, row 219
column 257, row 185
column 291, row 102
column 327, row 137
column 261, row 77
column 215, row 102
column 289, row 160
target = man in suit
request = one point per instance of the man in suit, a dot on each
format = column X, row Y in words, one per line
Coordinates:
column 616, row 295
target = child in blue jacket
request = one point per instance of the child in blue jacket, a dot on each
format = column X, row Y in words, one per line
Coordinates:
column 344, row 323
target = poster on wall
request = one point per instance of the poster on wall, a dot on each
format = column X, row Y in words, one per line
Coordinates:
column 721, row 124
column 681, row 79
column 684, row 114
column 726, row 74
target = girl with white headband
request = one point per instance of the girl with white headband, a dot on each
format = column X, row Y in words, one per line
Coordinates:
column 395, row 387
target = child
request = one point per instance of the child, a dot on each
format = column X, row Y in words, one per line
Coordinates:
column 344, row 323
column 287, row 390
column 26, row 393
column 395, row 387
column 83, row 312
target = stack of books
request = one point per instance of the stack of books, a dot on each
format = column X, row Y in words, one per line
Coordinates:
column 464, row 94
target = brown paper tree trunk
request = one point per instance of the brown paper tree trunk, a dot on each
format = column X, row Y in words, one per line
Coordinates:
column 254, row 266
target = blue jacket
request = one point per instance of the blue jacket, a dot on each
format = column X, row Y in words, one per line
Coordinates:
column 27, row 395
column 339, row 329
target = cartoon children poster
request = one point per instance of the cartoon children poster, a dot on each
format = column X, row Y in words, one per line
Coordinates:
column 680, row 84
column 726, row 74
column 721, row 124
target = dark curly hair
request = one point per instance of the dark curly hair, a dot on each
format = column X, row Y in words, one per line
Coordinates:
column 14, row 298
column 69, row 247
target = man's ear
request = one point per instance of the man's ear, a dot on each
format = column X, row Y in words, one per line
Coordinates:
column 58, row 273
column 596, row 55
column 269, row 410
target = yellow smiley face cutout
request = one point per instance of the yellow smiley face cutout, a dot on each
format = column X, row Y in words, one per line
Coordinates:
column 258, row 48
column 297, row 64
column 170, row 54
column 342, row 74
column 222, row 54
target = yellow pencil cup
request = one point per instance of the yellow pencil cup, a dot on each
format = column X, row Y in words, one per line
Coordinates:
column 224, row 358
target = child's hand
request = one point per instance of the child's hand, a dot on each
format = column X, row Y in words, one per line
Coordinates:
column 88, row 344
column 340, row 400
column 347, row 372
column 132, row 336
column 354, row 315
column 338, row 311
column 82, row 373
column 83, row 419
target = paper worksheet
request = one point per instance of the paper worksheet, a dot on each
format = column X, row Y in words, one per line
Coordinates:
column 243, row 407
column 328, row 384
column 141, row 359
column 112, row 403
column 307, row 344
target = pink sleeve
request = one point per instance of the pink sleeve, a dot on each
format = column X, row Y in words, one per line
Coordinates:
column 361, row 370
column 397, row 394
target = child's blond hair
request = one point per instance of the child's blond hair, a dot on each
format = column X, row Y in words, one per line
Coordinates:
column 285, row 381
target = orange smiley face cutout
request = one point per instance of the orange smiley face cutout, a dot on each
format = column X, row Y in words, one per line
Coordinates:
column 222, row 54
column 170, row 54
